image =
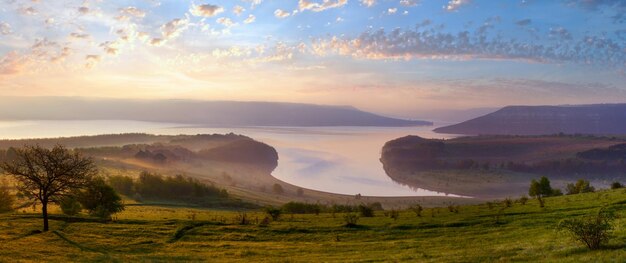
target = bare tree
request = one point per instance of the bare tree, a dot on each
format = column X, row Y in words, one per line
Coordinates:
column 46, row 175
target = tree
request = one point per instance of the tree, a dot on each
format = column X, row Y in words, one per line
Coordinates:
column 70, row 206
column 540, row 189
column 616, row 185
column 100, row 199
column 581, row 186
column 46, row 175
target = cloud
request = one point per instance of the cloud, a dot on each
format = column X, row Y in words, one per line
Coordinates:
column 83, row 10
column 237, row 10
column 425, row 42
column 92, row 60
column 111, row 47
column 5, row 28
column 318, row 7
column 392, row 11
column 250, row 19
column 454, row 5
column 368, row 3
column 561, row 33
column 174, row 28
column 31, row 11
column 253, row 3
column 130, row 12
column 227, row 22
column 596, row 4
column 75, row 35
column 410, row 2
column 206, row 10
column 12, row 63
column 279, row 13
column 523, row 22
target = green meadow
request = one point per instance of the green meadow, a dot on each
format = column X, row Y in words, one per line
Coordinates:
column 489, row 232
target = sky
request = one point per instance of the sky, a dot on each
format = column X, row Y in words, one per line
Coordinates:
column 396, row 57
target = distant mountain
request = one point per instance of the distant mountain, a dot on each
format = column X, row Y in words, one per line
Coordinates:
column 208, row 113
column 599, row 119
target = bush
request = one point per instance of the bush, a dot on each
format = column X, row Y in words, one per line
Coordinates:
column 616, row 185
column 100, row 199
column 417, row 209
column 394, row 214
column 351, row 219
column 6, row 199
column 366, row 211
column 593, row 231
column 522, row 200
column 70, row 206
column 507, row 202
column 274, row 213
column 581, row 186
column 301, row 208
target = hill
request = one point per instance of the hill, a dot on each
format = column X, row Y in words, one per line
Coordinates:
column 601, row 119
column 501, row 166
column 489, row 232
column 204, row 113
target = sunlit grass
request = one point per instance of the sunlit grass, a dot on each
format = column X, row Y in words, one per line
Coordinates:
column 173, row 233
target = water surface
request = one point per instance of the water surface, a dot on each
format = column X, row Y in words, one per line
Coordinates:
column 333, row 159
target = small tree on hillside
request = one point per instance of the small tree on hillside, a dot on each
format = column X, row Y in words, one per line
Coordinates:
column 100, row 199
column 46, row 175
column 593, row 231
column 540, row 189
column 581, row 186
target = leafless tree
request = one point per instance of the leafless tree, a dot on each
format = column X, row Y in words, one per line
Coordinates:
column 48, row 174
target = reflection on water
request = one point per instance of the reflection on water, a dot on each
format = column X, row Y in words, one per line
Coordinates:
column 333, row 159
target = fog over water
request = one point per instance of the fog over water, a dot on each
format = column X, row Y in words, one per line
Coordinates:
column 334, row 159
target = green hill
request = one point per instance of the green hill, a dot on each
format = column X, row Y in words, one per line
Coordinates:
column 474, row 233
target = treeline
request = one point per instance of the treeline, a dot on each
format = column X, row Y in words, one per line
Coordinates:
column 307, row 208
column 153, row 186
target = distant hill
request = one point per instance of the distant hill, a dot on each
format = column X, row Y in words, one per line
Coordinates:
column 206, row 113
column 599, row 119
column 497, row 166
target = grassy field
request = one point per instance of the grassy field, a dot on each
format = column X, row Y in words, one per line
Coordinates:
column 174, row 233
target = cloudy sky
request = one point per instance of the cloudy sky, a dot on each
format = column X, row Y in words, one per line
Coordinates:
column 397, row 57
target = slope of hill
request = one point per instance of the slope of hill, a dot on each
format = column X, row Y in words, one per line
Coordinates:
column 491, row 232
column 501, row 166
column 605, row 119
column 209, row 113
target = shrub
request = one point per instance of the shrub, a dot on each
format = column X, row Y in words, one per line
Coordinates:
column 242, row 219
column 581, row 186
column 394, row 214
column 616, row 185
column 100, row 199
column 366, row 211
column 522, row 200
column 593, row 231
column 6, row 199
column 301, row 208
column 417, row 209
column 351, row 219
column 507, row 202
column 274, row 213
column 70, row 206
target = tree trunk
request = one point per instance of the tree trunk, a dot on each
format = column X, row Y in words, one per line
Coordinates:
column 44, row 212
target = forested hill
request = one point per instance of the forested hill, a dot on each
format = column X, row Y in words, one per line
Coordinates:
column 604, row 119
column 206, row 113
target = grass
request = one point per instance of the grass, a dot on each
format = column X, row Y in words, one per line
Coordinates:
column 166, row 233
